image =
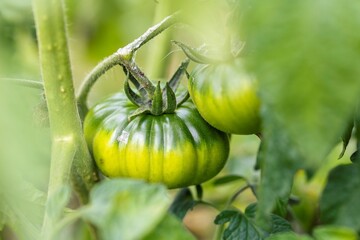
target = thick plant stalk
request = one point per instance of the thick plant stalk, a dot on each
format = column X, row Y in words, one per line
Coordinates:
column 68, row 142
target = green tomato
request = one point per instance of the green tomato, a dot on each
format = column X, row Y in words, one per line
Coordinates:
column 178, row 149
column 226, row 97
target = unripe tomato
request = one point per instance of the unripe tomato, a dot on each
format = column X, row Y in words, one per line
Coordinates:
column 226, row 97
column 178, row 149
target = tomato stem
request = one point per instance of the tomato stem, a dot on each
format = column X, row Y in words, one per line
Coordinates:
column 151, row 33
column 139, row 76
column 69, row 149
column 199, row 192
column 125, row 57
column 91, row 78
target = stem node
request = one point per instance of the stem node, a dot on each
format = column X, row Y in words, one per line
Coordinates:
column 125, row 57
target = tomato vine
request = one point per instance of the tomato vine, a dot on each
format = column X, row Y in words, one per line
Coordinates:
column 274, row 73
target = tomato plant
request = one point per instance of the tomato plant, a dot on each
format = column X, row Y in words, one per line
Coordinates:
column 149, row 162
column 226, row 97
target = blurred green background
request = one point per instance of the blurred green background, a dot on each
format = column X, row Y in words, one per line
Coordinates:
column 96, row 29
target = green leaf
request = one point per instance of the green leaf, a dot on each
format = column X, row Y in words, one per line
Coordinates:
column 339, row 203
column 157, row 101
column 346, row 136
column 240, row 227
column 126, row 209
column 288, row 236
column 170, row 228
column 131, row 95
column 23, row 163
column 308, row 83
column 31, row 193
column 334, row 233
column 355, row 157
column 183, row 202
column 22, row 211
column 278, row 224
column 141, row 110
column 227, row 179
column 308, row 75
column 58, row 201
column 175, row 79
column 80, row 231
column 170, row 100
column 250, row 210
column 182, row 98
column 132, row 79
column 279, row 162
column 320, row 233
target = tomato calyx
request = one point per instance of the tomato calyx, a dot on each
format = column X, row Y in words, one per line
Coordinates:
column 163, row 100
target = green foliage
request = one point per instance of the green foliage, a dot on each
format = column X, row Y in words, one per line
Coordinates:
column 58, row 201
column 182, row 203
column 23, row 157
column 278, row 163
column 308, row 79
column 169, row 228
column 17, row 42
column 117, row 206
column 129, row 209
column 288, row 236
column 243, row 226
column 227, row 179
column 16, row 207
column 320, row 233
column 305, row 55
column 332, row 232
column 239, row 226
column 346, row 136
column 339, row 202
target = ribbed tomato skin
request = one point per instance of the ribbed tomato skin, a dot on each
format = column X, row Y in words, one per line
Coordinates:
column 226, row 97
column 178, row 149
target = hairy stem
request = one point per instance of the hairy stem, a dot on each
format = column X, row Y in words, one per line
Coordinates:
column 149, row 34
column 65, row 124
column 63, row 148
column 24, row 82
column 124, row 57
column 95, row 73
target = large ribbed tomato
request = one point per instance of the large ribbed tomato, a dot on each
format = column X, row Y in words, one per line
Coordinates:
column 226, row 97
column 178, row 149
